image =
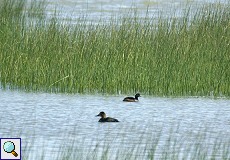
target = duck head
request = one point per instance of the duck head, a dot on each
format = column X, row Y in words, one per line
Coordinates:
column 102, row 115
column 137, row 95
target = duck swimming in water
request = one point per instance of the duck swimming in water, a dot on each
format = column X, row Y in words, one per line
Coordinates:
column 106, row 119
column 132, row 99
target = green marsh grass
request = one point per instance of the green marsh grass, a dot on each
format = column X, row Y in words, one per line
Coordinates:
column 186, row 56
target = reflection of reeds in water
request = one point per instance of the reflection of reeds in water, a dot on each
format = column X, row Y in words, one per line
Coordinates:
column 161, row 144
column 174, row 56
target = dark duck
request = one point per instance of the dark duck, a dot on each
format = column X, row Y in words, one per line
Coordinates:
column 106, row 119
column 132, row 99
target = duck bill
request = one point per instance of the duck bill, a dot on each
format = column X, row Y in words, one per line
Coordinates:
column 97, row 115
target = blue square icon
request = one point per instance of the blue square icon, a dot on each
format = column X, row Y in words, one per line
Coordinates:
column 10, row 148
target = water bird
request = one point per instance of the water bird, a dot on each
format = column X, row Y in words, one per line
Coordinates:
column 105, row 119
column 132, row 99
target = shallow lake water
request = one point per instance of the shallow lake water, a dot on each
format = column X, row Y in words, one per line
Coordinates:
column 48, row 121
column 95, row 10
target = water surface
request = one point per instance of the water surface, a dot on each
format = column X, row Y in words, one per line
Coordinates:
column 95, row 10
column 59, row 119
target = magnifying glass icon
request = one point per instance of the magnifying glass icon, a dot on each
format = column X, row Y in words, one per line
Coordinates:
column 9, row 147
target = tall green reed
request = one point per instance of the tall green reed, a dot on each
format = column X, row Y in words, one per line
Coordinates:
column 185, row 56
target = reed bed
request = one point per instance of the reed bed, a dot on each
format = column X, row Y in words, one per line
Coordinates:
column 186, row 56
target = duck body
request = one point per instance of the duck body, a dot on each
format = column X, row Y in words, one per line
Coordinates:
column 132, row 99
column 106, row 119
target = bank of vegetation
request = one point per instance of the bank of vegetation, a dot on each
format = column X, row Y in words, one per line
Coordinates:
column 186, row 56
